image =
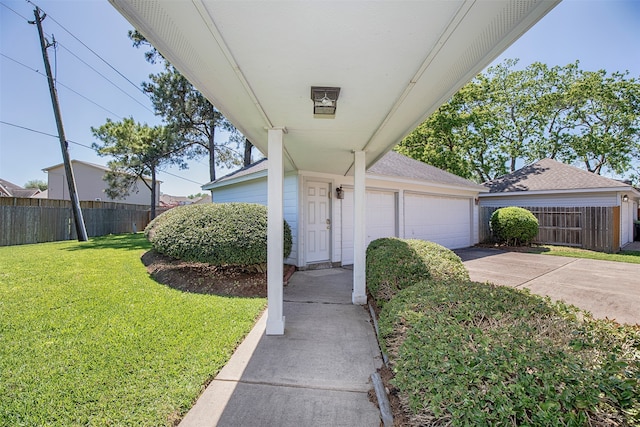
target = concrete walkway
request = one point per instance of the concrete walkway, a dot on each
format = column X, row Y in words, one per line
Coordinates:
column 317, row 374
column 607, row 289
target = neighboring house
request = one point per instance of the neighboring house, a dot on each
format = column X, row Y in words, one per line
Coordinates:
column 203, row 200
column 551, row 184
column 9, row 189
column 90, row 184
column 404, row 198
column 169, row 201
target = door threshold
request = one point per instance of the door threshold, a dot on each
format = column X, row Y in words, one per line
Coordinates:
column 320, row 265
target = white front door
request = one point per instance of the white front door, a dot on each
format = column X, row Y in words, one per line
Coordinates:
column 317, row 221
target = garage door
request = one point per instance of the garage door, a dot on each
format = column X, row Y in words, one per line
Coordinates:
column 381, row 219
column 444, row 220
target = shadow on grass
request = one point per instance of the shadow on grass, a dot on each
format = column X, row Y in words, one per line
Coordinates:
column 534, row 250
column 131, row 242
column 487, row 250
column 630, row 253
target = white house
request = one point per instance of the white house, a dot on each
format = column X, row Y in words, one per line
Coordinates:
column 404, row 198
column 549, row 183
column 90, row 184
column 328, row 87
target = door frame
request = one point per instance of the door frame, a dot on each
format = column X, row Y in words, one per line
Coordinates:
column 303, row 218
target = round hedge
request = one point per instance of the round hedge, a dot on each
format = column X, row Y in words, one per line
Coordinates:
column 513, row 225
column 222, row 234
column 394, row 264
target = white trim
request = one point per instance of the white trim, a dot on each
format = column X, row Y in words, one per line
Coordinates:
column 475, row 187
column 230, row 181
column 567, row 191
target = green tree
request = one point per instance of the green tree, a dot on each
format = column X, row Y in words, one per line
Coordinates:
column 437, row 141
column 190, row 114
column 139, row 151
column 606, row 117
column 504, row 115
column 36, row 183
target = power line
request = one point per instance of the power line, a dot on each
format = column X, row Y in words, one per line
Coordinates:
column 21, row 16
column 94, row 52
column 88, row 65
column 63, row 85
column 106, row 78
column 185, row 179
column 90, row 148
column 29, row 129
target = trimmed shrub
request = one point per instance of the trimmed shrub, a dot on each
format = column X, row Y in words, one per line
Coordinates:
column 467, row 353
column 222, row 234
column 514, row 226
column 394, row 264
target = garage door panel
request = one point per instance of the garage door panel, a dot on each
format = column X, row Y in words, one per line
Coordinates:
column 381, row 219
column 444, row 220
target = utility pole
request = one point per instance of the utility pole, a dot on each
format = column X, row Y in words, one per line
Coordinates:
column 71, row 182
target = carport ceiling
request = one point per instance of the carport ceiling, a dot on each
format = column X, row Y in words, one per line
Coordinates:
column 395, row 62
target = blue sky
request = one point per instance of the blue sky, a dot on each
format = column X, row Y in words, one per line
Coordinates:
column 601, row 34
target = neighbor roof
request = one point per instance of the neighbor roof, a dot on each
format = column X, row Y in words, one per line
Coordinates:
column 391, row 164
column 548, row 174
column 13, row 190
column 93, row 165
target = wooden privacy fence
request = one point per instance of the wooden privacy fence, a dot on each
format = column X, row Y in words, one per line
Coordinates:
column 595, row 228
column 25, row 220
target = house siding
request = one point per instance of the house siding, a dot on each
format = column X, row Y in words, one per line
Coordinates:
column 90, row 186
column 255, row 191
column 246, row 192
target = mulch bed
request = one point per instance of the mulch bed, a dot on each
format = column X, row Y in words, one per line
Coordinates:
column 208, row 279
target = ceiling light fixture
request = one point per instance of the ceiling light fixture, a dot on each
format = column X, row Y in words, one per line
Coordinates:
column 325, row 100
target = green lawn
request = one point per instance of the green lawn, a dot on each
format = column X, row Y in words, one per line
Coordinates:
column 88, row 338
column 623, row 256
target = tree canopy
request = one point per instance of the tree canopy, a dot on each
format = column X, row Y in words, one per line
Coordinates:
column 36, row 183
column 589, row 118
column 190, row 115
column 138, row 151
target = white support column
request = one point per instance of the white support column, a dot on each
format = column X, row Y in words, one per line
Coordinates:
column 275, row 233
column 401, row 214
column 359, row 295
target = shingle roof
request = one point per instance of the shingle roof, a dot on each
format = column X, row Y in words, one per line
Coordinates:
column 254, row 167
column 14, row 190
column 399, row 165
column 391, row 164
column 548, row 174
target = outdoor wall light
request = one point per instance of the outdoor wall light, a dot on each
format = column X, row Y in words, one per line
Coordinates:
column 625, row 198
column 325, row 100
column 339, row 193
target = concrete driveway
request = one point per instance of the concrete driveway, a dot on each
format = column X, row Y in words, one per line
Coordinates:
column 606, row 289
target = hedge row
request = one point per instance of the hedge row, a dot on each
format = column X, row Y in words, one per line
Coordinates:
column 223, row 234
column 394, row 264
column 466, row 353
